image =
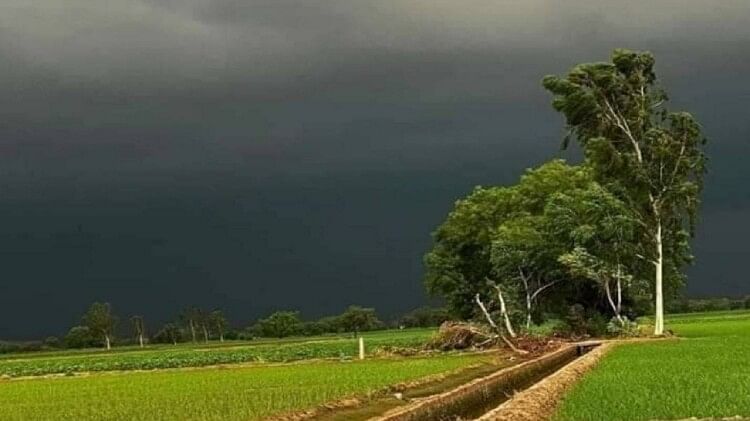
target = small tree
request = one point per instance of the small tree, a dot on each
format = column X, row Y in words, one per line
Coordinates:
column 138, row 328
column 79, row 337
column 219, row 323
column 169, row 333
column 279, row 325
column 599, row 231
column 424, row 317
column 357, row 319
column 100, row 321
column 190, row 317
column 203, row 321
column 468, row 251
column 523, row 253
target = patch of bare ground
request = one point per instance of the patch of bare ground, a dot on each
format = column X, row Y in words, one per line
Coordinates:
column 540, row 400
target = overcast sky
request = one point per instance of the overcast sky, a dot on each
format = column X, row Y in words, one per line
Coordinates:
column 261, row 155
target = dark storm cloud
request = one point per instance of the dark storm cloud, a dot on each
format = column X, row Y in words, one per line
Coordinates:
column 255, row 154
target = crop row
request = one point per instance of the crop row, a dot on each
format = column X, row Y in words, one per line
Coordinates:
column 197, row 357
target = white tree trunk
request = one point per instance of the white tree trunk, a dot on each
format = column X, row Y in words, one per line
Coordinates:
column 659, row 294
column 528, row 312
column 504, row 312
column 528, row 298
column 140, row 339
column 221, row 337
column 497, row 329
column 619, row 293
column 615, row 307
column 107, row 342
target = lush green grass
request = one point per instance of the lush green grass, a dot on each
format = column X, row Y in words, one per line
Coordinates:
column 705, row 374
column 196, row 356
column 244, row 393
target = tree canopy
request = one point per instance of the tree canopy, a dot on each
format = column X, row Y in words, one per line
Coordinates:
column 649, row 157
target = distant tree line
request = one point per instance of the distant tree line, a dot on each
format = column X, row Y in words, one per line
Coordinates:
column 99, row 325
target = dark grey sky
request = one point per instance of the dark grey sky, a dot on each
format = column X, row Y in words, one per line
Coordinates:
column 258, row 155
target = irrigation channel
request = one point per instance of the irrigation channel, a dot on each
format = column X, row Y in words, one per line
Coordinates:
column 491, row 397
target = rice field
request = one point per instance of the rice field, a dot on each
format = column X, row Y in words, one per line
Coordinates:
column 706, row 374
column 238, row 393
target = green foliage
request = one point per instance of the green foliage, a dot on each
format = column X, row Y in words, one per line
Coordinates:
column 650, row 158
column 80, row 337
column 246, row 393
column 52, row 342
column 279, row 325
column 582, row 321
column 425, row 317
column 169, row 334
column 217, row 323
column 358, row 319
column 626, row 329
column 197, row 356
column 493, row 230
column 697, row 305
column 100, row 321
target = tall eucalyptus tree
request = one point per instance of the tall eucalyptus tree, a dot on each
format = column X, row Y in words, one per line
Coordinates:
column 651, row 158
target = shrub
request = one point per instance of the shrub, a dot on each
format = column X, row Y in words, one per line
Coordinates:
column 52, row 342
column 627, row 329
column 550, row 327
column 582, row 322
column 80, row 337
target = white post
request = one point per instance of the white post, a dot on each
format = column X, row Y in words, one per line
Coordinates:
column 361, row 348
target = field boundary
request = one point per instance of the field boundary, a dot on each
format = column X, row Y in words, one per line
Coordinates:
column 478, row 392
column 359, row 400
column 540, row 400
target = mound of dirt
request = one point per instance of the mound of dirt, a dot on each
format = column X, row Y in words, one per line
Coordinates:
column 537, row 345
column 459, row 335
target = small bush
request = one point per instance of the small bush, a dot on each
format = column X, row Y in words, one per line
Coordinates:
column 585, row 323
column 551, row 327
column 627, row 329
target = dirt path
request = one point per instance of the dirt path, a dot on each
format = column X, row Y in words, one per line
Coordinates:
column 540, row 400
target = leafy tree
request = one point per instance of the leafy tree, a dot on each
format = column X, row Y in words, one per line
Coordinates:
column 279, row 325
column 169, row 333
column 651, row 158
column 218, row 321
column 312, row 328
column 424, row 317
column 52, row 342
column 138, row 328
column 357, row 319
column 485, row 238
column 599, row 232
column 100, row 321
column 203, row 321
column 79, row 337
column 191, row 317
column 523, row 253
column 330, row 324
